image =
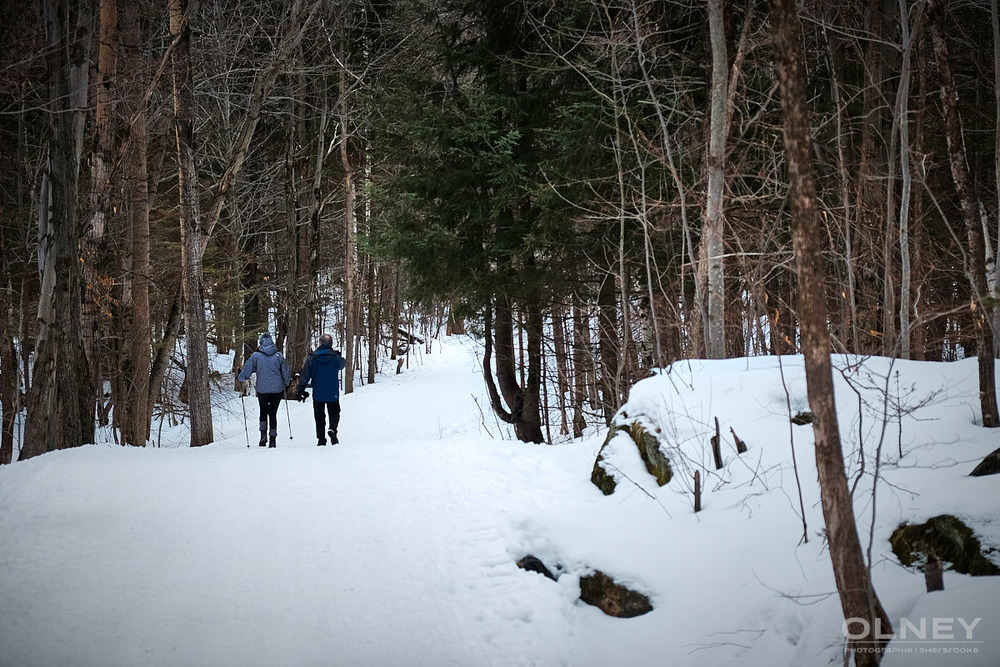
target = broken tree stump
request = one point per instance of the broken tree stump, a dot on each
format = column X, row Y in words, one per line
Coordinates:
column 717, row 446
column 934, row 573
column 697, row 490
column 741, row 447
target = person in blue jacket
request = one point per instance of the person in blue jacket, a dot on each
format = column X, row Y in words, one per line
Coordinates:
column 273, row 377
column 323, row 367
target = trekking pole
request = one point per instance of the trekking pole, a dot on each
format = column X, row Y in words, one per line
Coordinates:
column 289, row 415
column 246, row 431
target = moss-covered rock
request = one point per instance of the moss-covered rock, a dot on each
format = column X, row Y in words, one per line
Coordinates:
column 988, row 466
column 602, row 479
column 656, row 462
column 599, row 476
column 612, row 598
column 946, row 537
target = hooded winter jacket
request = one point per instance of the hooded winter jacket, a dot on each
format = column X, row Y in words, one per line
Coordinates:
column 273, row 374
column 322, row 368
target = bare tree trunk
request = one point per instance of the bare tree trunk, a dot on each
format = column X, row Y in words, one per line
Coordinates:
column 995, row 23
column 396, row 307
column 918, row 327
column 867, row 236
column 531, row 421
column 523, row 402
column 970, row 214
column 777, row 296
column 887, row 63
column 164, row 348
column 135, row 418
column 192, row 237
column 9, row 385
column 350, row 298
column 851, row 319
column 503, row 328
column 608, row 337
column 10, row 390
column 96, row 290
column 373, row 320
column 254, row 319
column 58, row 412
column 715, row 335
column 581, row 343
column 902, row 118
column 559, row 352
column 303, row 215
column 857, row 596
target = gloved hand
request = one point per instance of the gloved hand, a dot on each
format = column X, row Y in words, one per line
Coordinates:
column 301, row 395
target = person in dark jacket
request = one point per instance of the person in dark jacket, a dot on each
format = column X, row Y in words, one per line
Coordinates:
column 273, row 377
column 322, row 367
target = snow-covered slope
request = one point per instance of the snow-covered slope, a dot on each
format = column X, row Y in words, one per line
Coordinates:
column 398, row 546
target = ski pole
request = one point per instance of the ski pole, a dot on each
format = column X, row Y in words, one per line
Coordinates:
column 246, row 431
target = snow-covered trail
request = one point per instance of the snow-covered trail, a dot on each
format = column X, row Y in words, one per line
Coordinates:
column 395, row 547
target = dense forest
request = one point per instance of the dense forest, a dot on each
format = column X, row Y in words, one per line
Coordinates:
column 598, row 187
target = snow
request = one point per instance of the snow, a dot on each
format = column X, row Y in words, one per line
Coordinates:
column 398, row 546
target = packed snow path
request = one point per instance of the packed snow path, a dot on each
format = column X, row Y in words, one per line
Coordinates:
column 390, row 548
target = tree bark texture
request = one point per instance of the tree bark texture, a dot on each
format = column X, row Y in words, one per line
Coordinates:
column 857, row 596
column 715, row 336
column 531, row 417
column 350, row 289
column 192, row 241
column 9, row 385
column 302, row 214
column 374, row 319
column 134, row 417
column 903, row 118
column 581, row 365
column 995, row 25
column 96, row 285
column 523, row 402
column 59, row 414
column 970, row 215
column 867, row 235
column 608, row 337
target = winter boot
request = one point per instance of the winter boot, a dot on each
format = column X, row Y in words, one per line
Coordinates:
column 321, row 443
column 263, row 434
column 333, row 436
column 272, row 438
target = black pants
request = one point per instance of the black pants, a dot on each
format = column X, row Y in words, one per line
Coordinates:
column 269, row 410
column 320, row 409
